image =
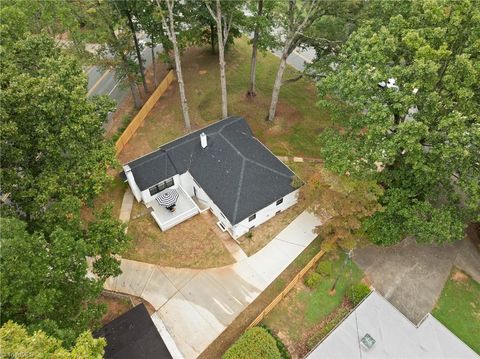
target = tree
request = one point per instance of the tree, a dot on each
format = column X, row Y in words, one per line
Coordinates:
column 404, row 96
column 342, row 203
column 149, row 19
column 256, row 342
column 51, row 133
column 116, row 51
column 223, row 16
column 45, row 279
column 295, row 19
column 170, row 29
column 129, row 10
column 262, row 25
column 16, row 342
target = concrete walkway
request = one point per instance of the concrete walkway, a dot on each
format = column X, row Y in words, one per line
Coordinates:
column 127, row 205
column 193, row 307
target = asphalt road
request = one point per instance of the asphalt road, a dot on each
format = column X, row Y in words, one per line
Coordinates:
column 105, row 82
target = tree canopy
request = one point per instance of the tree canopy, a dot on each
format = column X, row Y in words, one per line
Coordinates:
column 45, row 279
column 51, row 133
column 16, row 342
column 404, row 95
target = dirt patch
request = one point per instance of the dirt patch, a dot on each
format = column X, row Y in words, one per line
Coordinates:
column 191, row 244
column 459, row 276
column 116, row 306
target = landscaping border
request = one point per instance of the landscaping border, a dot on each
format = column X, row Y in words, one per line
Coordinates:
column 287, row 289
column 144, row 111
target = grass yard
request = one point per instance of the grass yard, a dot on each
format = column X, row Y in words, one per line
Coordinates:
column 299, row 318
column 195, row 243
column 459, row 308
column 293, row 132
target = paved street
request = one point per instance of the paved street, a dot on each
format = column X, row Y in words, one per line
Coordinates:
column 193, row 307
column 105, row 82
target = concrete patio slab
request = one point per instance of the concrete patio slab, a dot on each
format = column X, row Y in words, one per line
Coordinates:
column 241, row 290
column 301, row 228
column 159, row 289
column 214, row 300
column 179, row 276
column 134, row 278
column 245, row 271
column 127, row 205
column 191, row 331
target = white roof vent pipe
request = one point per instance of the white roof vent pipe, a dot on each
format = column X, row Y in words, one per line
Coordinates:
column 203, row 140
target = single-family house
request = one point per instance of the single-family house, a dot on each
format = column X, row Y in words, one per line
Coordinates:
column 376, row 329
column 222, row 168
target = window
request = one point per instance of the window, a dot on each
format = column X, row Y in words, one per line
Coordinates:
column 278, row 212
column 252, row 217
column 252, row 227
column 280, row 201
column 222, row 214
column 161, row 186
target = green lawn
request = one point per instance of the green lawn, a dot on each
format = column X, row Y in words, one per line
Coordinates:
column 459, row 308
column 304, row 312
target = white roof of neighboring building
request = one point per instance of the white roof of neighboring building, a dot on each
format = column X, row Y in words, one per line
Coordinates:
column 395, row 336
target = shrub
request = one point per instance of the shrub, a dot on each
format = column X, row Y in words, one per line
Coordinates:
column 255, row 343
column 312, row 279
column 357, row 292
column 324, row 268
column 296, row 182
column 249, row 235
column 281, row 347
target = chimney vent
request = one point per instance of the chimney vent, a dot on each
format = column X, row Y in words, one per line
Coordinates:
column 203, row 139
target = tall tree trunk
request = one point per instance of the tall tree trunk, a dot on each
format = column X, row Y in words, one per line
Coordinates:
column 178, row 65
column 212, row 38
column 154, row 67
column 221, row 60
column 135, row 93
column 253, row 66
column 137, row 49
column 277, row 85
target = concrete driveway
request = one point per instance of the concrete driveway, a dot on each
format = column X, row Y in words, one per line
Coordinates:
column 412, row 276
column 192, row 306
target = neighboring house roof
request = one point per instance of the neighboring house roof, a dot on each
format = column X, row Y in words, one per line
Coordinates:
column 133, row 335
column 236, row 170
column 394, row 335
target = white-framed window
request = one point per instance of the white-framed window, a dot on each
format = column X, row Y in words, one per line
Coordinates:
column 252, row 217
column 161, row 186
column 280, row 201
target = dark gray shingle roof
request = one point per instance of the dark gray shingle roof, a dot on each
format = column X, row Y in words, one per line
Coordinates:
column 238, row 172
column 133, row 335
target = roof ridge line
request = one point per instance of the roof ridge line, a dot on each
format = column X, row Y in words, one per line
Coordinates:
column 239, row 190
column 267, row 168
column 160, row 148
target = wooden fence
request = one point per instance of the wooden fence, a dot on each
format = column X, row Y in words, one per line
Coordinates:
column 144, row 111
column 287, row 289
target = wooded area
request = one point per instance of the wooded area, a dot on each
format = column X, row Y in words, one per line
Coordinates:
column 399, row 80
